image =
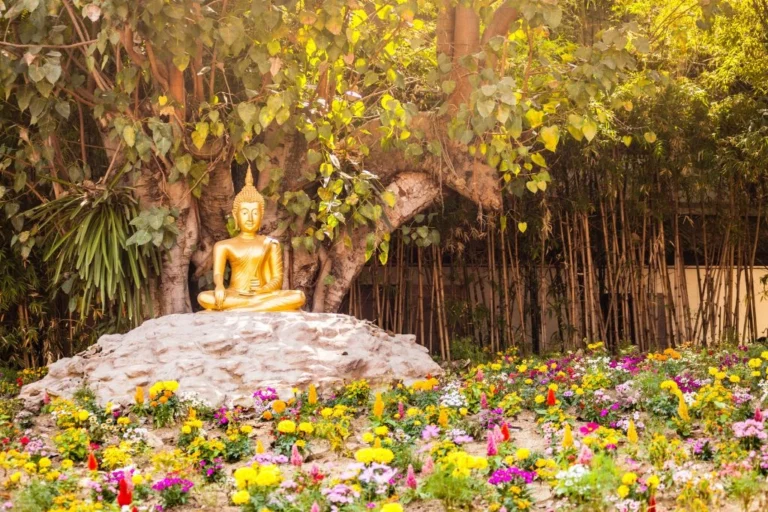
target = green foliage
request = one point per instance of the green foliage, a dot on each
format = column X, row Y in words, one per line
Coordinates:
column 97, row 257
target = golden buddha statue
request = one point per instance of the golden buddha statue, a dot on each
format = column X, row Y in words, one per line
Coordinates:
column 256, row 261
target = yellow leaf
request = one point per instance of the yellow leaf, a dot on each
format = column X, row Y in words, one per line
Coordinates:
column 522, row 226
column 589, row 129
column 538, row 160
column 650, row 137
column 627, row 140
column 534, row 117
column 550, row 135
column 162, row 100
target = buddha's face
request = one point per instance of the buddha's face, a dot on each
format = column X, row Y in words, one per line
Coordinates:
column 249, row 217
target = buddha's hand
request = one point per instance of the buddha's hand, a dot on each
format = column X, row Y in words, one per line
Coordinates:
column 218, row 296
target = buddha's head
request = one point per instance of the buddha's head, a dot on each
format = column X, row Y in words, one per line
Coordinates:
column 248, row 207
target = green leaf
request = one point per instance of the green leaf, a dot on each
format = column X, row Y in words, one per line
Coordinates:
column 181, row 61
column 448, row 86
column 485, row 107
column 129, row 135
column 63, row 108
column 313, row 157
column 247, row 112
column 550, row 135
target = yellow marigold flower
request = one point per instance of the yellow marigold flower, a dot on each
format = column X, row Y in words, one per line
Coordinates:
column 495, row 367
column 268, row 476
column 522, row 368
column 553, row 387
column 668, row 384
column 83, row 415
column 137, row 479
column 286, row 427
column 16, row 477
column 579, row 391
column 392, row 507
column 306, row 427
column 245, row 476
column 463, row 411
column 755, row 363
column 326, row 412
column 241, row 497
column 381, row 431
column 653, row 481
column 123, row 420
column 764, row 355
column 734, row 379
column 67, row 464
column 539, row 399
column 755, row 374
column 186, row 429
column 44, row 463
column 623, row 491
column 278, row 406
column 629, row 478
column 522, row 453
column 368, row 437
column 267, row 415
column 720, row 375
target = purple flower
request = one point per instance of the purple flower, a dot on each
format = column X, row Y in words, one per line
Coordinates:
column 511, row 475
column 429, row 432
column 168, row 482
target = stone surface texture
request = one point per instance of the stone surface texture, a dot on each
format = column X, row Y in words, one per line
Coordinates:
column 225, row 356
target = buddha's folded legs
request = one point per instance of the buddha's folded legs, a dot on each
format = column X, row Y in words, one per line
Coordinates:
column 281, row 300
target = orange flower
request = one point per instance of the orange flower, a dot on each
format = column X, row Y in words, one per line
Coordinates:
column 93, row 464
column 312, row 399
column 153, row 403
column 278, row 406
column 442, row 419
column 139, row 396
column 267, row 415
column 163, row 399
column 378, row 406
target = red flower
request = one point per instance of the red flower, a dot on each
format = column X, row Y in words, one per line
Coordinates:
column 652, row 503
column 505, row 431
column 19, row 382
column 125, row 494
column 551, row 400
column 93, row 464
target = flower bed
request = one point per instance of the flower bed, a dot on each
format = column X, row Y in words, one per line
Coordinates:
column 678, row 430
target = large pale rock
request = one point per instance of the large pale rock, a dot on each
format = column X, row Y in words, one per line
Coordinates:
column 226, row 356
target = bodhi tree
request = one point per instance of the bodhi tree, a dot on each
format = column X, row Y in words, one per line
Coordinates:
column 124, row 119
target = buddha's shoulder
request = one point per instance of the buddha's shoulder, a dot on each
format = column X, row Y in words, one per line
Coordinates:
column 272, row 241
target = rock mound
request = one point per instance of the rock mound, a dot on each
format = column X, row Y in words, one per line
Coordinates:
column 226, row 356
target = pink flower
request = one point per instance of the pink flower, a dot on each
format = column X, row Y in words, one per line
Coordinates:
column 492, row 449
column 315, row 507
column 479, row 376
column 296, row 459
column 483, row 401
column 585, row 455
column 758, row 414
column 428, row 467
column 410, row 479
column 401, row 410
